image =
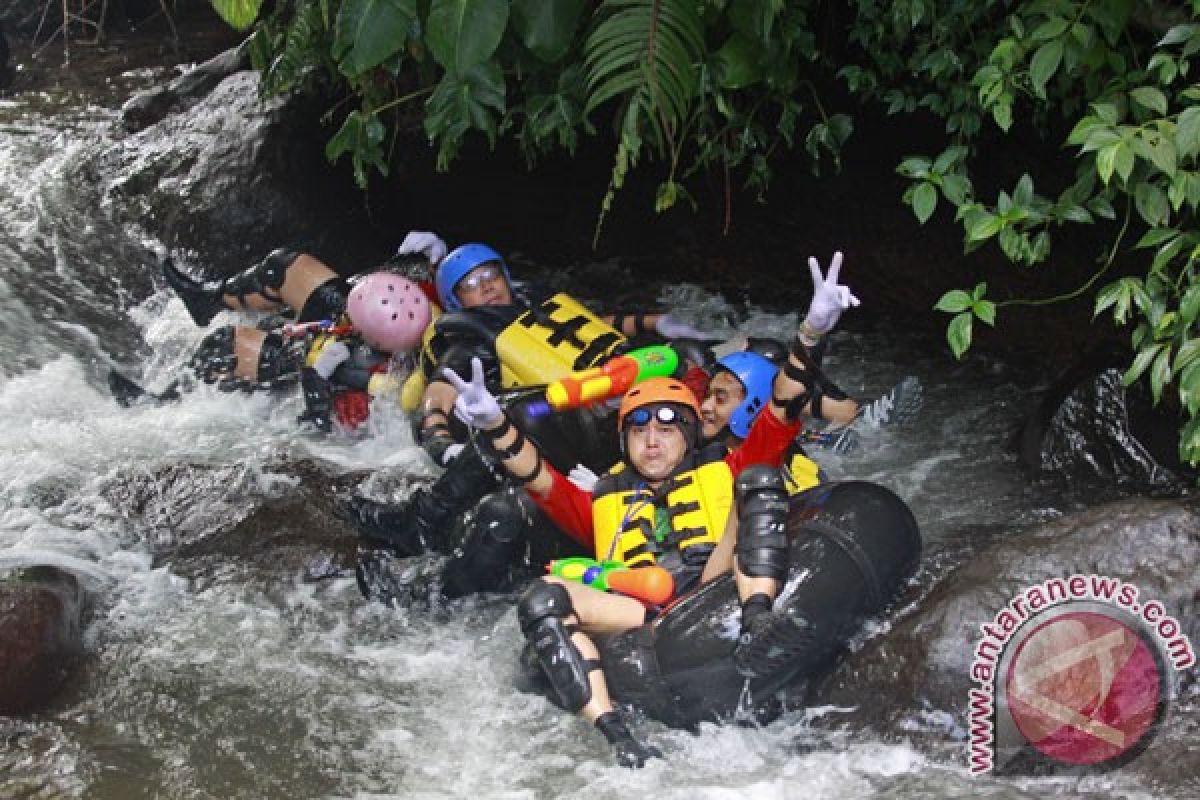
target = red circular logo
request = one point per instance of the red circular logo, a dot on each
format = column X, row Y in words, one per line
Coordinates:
column 1084, row 688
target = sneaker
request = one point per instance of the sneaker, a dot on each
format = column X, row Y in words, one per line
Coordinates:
column 202, row 300
column 770, row 642
column 897, row 406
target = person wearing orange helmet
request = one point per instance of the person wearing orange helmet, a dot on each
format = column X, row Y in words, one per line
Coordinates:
column 693, row 509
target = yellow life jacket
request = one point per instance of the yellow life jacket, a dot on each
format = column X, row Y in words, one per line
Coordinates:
column 697, row 501
column 800, row 472
column 414, row 386
column 552, row 339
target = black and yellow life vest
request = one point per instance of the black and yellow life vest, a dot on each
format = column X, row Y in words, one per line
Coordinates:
column 800, row 472
column 536, row 342
column 697, row 499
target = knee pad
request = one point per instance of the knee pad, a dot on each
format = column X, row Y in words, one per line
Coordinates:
column 540, row 613
column 276, row 361
column 214, row 360
column 762, row 543
column 268, row 274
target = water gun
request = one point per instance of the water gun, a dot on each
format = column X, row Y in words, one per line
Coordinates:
column 653, row 585
column 613, row 379
column 296, row 330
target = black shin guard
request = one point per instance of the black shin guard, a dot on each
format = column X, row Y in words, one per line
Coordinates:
column 762, row 542
column 215, row 360
column 318, row 400
column 277, row 363
column 264, row 278
column 493, row 548
column 541, row 613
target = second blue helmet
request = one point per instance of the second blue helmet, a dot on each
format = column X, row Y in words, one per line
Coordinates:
column 757, row 376
column 455, row 266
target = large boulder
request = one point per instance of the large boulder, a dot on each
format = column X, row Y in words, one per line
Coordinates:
column 40, row 622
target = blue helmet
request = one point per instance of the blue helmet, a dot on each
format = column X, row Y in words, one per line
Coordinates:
column 457, row 264
column 757, row 376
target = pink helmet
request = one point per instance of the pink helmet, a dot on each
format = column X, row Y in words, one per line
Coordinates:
column 389, row 311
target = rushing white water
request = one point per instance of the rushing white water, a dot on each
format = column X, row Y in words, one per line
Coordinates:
column 240, row 683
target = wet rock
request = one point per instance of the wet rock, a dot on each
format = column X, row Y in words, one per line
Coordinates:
column 151, row 106
column 1092, row 431
column 40, row 623
column 916, row 677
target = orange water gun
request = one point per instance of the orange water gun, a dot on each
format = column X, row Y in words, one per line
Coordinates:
column 653, row 585
column 612, row 379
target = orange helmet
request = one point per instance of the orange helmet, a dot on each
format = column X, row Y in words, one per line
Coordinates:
column 657, row 391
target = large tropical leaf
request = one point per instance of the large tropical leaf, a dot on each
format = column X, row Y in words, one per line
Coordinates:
column 369, row 32
column 464, row 33
column 647, row 52
column 547, row 27
column 461, row 102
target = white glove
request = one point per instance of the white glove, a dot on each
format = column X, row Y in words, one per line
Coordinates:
column 583, row 477
column 829, row 298
column 670, row 328
column 475, row 405
column 451, row 453
column 424, row 242
column 330, row 358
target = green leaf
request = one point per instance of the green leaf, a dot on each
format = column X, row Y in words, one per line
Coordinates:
column 1043, row 66
column 914, row 167
column 984, row 227
column 986, row 311
column 1187, row 132
column 369, row 32
column 1151, row 203
column 1160, row 373
column 1109, row 295
column 1189, row 307
column 1140, row 362
column 1154, row 238
column 979, row 291
column 1002, row 114
column 462, row 102
column 240, row 14
column 1178, row 34
column 462, row 34
column 956, row 188
column 1188, row 354
column 924, row 201
column 361, row 135
column 737, row 65
column 1151, row 98
column 954, row 301
column 958, row 334
column 547, row 28
column 1050, row 29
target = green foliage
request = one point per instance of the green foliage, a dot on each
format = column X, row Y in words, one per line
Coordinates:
column 721, row 87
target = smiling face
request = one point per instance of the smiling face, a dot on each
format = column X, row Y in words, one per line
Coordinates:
column 484, row 286
column 725, row 393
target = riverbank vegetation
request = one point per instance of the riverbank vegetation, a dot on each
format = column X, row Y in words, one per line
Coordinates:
column 689, row 88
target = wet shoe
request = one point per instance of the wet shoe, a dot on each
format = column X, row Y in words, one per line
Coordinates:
column 897, row 406
column 202, row 300
column 389, row 524
column 769, row 643
column 630, row 753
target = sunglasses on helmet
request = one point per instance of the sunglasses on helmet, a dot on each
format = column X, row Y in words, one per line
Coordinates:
column 480, row 276
column 642, row 416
